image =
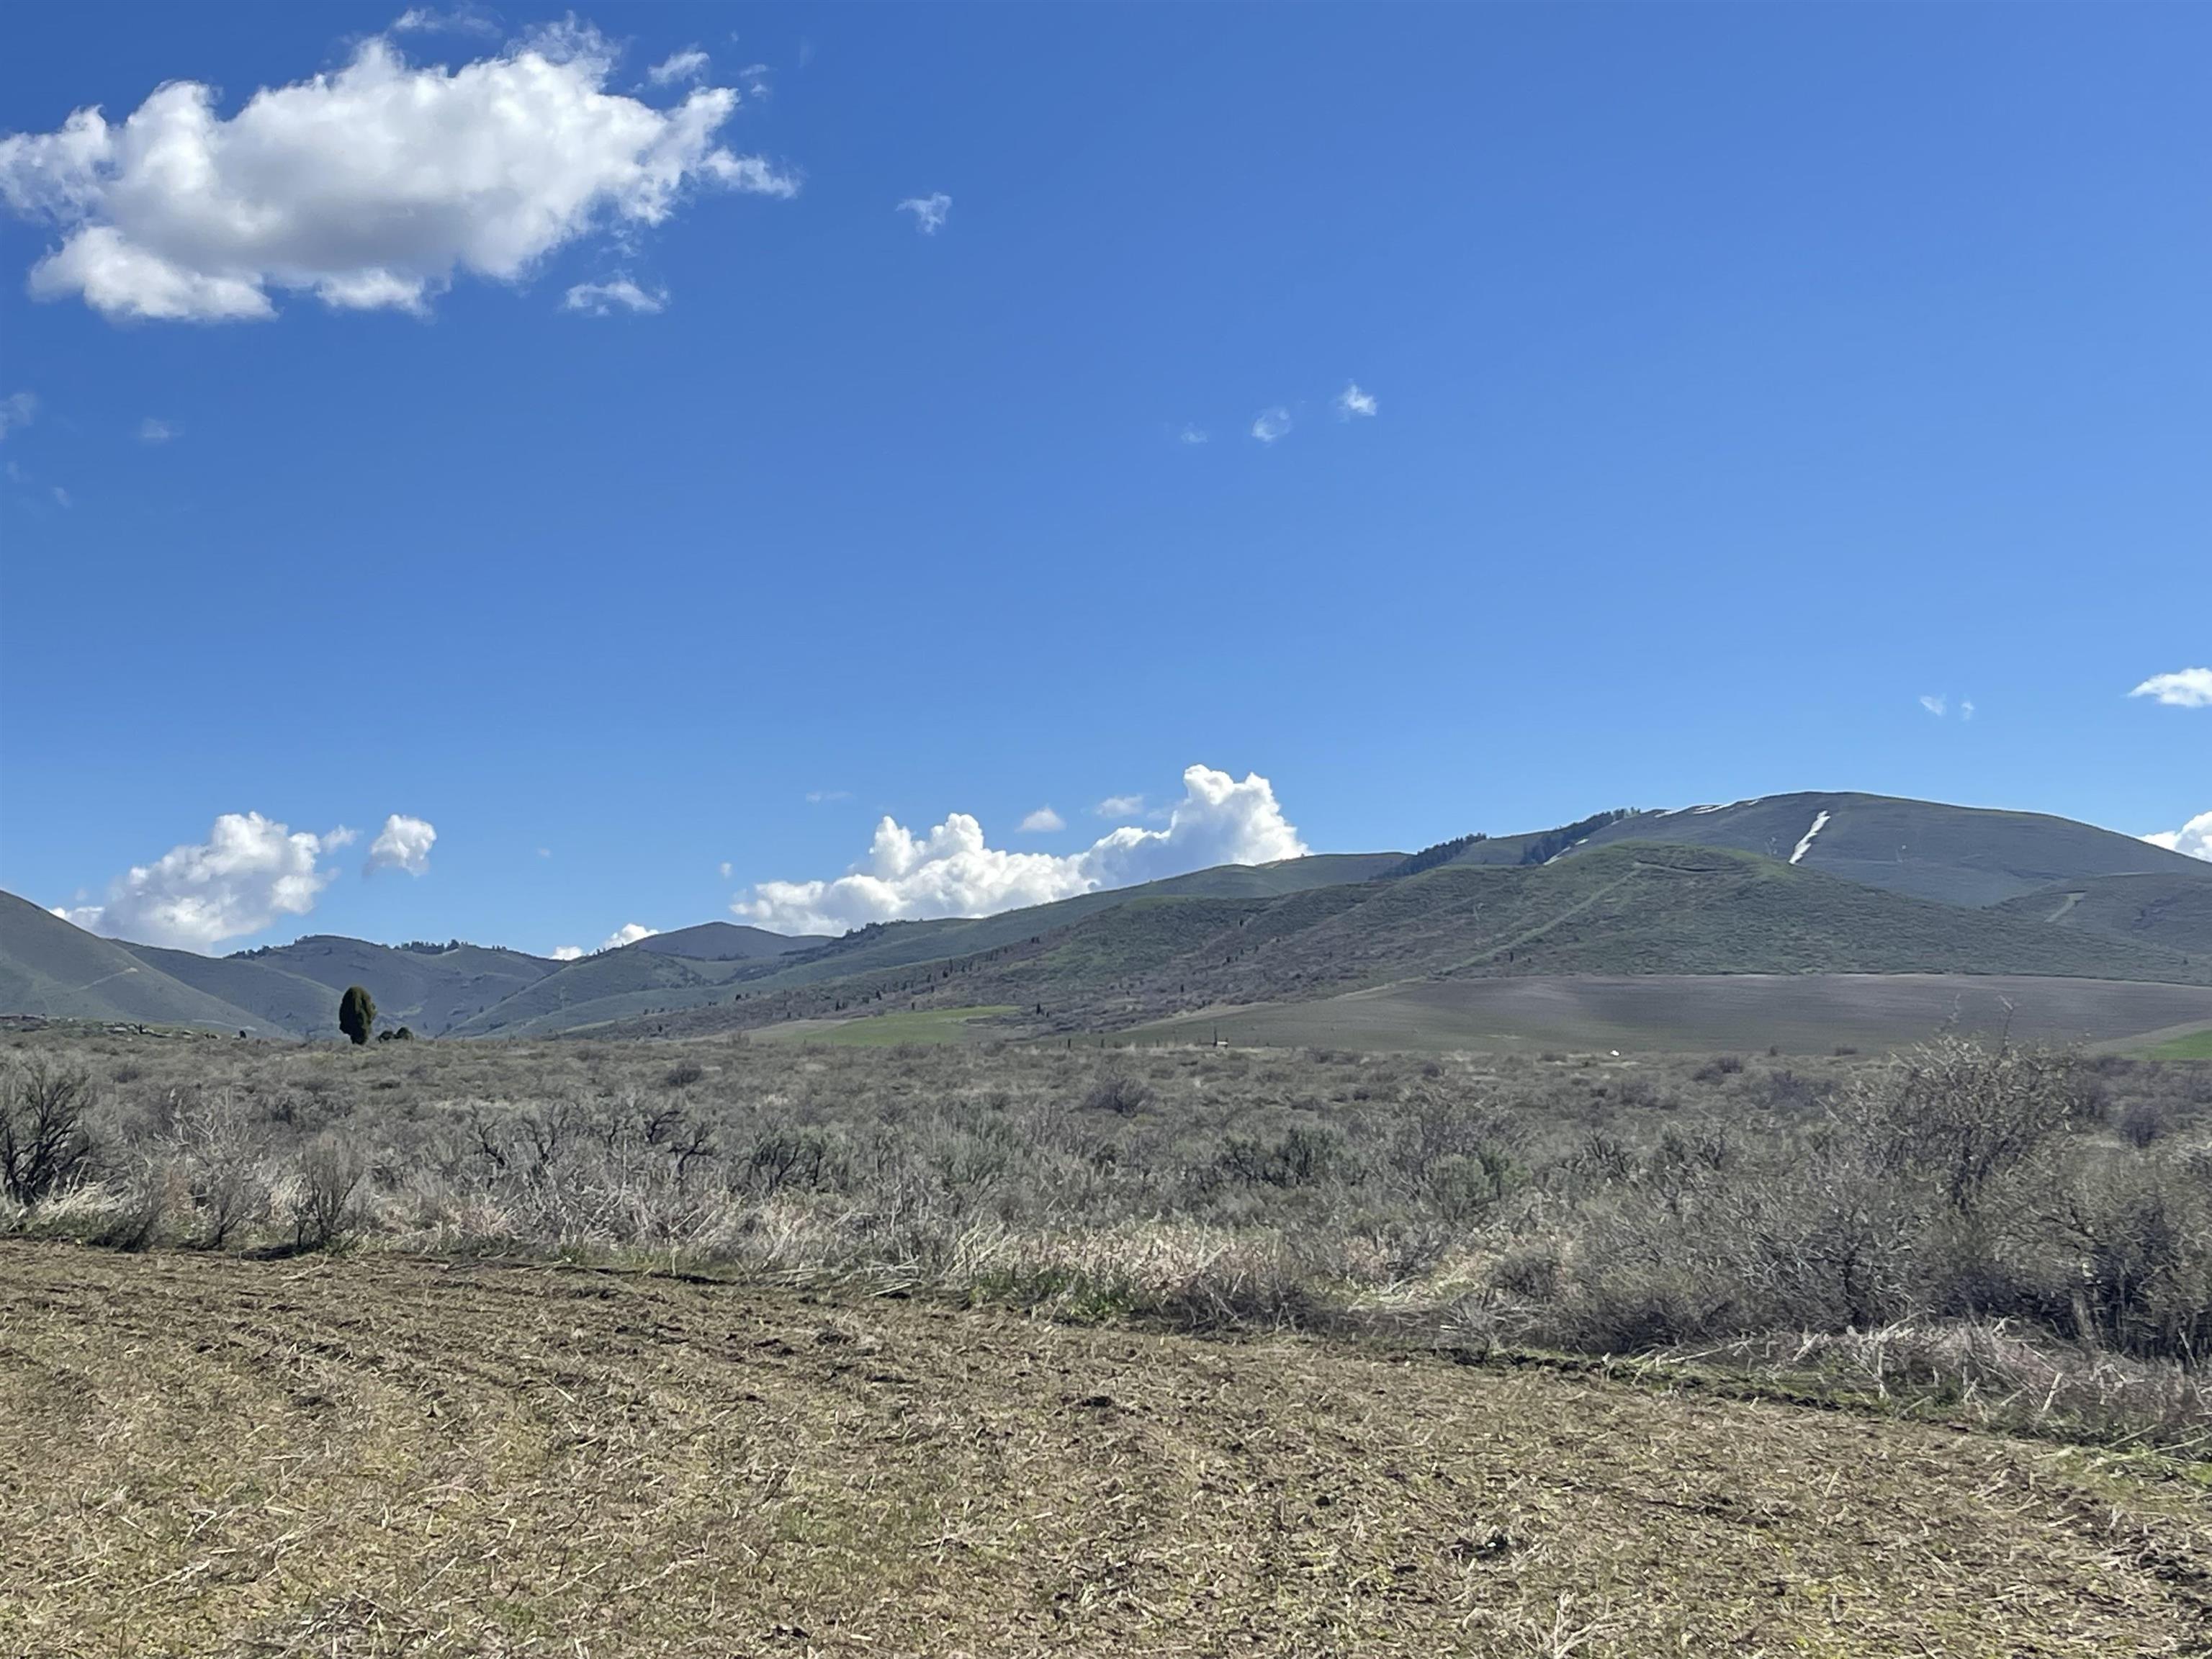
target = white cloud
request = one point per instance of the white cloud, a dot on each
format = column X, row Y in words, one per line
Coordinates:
column 544, row 851
column 628, row 933
column 421, row 20
column 2194, row 838
column 1043, row 822
column 1191, row 434
column 249, row 872
column 153, row 431
column 600, row 299
column 404, row 843
column 2187, row 688
column 688, row 64
column 952, row 871
column 1352, row 401
column 16, row 409
column 726, row 868
column 928, row 211
column 368, row 187
column 1966, row 709
column 1936, row 705
column 1120, row 806
column 567, row 953
column 821, row 797
column 62, row 497
column 1271, row 424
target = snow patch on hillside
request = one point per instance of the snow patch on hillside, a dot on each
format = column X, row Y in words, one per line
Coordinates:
column 1819, row 823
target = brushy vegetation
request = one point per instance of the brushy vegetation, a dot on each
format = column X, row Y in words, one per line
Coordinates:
column 1994, row 1234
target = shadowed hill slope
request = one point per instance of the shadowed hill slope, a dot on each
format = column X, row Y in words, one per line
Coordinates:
column 432, row 991
column 48, row 967
column 2162, row 908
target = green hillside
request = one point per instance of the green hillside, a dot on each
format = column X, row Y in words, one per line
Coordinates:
column 432, row 991
column 726, row 941
column 48, row 967
column 2162, row 908
column 1956, row 854
column 1625, row 910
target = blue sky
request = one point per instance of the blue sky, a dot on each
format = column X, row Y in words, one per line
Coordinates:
column 1740, row 378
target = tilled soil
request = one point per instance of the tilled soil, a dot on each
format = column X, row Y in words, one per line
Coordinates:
column 206, row 1456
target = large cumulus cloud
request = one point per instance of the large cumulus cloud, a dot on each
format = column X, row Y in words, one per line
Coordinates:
column 2193, row 838
column 953, row 871
column 249, row 872
column 368, row 187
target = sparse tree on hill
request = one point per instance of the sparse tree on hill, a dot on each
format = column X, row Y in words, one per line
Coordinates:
column 356, row 1014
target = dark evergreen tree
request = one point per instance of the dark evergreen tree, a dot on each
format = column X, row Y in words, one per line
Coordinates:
column 357, row 1014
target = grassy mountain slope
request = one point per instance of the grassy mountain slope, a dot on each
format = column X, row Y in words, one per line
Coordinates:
column 612, row 985
column 270, row 994
column 1957, row 854
column 726, row 941
column 1625, row 910
column 1797, row 1013
column 433, row 992
column 48, row 967
column 2165, row 908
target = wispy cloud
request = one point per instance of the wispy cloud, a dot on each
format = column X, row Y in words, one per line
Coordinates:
column 1351, row 402
column 2185, row 688
column 822, row 797
column 1271, row 424
column 1043, row 822
column 929, row 211
column 1936, row 704
column 1966, row 709
column 603, row 299
column 62, row 497
column 17, row 409
column 1120, row 806
column 1191, row 434
column 688, row 64
column 422, row 20
column 153, row 431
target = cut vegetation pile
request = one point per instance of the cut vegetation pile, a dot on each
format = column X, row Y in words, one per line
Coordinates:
column 202, row 1456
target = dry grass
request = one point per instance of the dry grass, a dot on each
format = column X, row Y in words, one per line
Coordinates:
column 371, row 1454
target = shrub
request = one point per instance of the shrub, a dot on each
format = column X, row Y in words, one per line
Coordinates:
column 330, row 1174
column 44, row 1143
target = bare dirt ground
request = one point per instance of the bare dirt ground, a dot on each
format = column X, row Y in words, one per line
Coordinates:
column 201, row 1455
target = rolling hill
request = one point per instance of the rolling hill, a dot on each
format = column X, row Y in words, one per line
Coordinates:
column 1837, row 885
column 725, row 941
column 2174, row 910
column 1629, row 909
column 431, row 990
column 1963, row 855
column 51, row 968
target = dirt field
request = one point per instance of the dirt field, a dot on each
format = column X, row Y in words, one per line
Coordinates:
column 204, row 1455
column 1797, row 1013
